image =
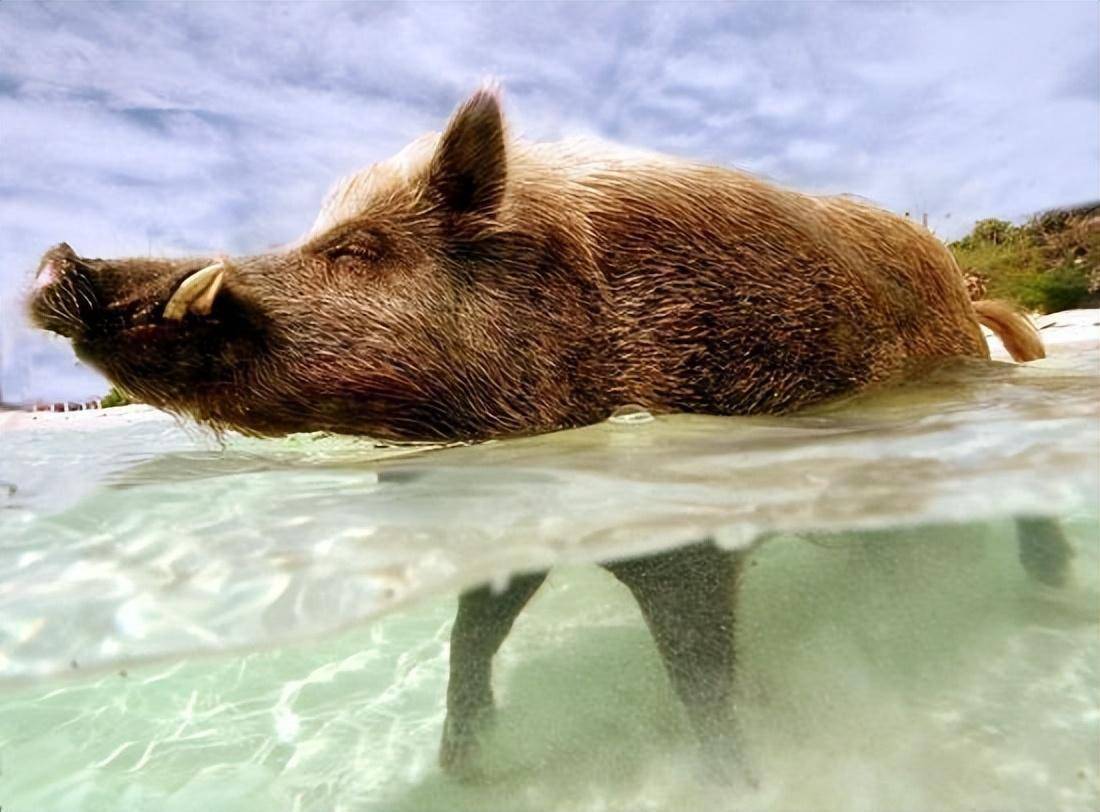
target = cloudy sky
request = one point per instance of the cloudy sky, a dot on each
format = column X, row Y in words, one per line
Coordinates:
column 163, row 129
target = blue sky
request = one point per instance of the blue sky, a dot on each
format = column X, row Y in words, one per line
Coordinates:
column 164, row 129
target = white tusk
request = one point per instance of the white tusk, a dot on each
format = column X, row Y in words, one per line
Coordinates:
column 196, row 293
column 202, row 303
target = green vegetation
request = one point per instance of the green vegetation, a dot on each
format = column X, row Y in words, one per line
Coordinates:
column 1050, row 263
column 115, row 398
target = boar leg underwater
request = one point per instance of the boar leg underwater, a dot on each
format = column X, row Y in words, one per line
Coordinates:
column 483, row 621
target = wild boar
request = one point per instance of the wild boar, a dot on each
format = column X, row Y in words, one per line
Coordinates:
column 478, row 286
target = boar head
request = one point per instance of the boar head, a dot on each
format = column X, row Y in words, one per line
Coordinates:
column 441, row 295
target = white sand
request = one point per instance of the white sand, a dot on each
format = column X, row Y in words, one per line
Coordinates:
column 86, row 420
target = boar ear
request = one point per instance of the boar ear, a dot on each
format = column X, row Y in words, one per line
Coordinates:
column 469, row 167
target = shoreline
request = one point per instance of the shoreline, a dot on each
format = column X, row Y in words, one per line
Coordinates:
column 84, row 419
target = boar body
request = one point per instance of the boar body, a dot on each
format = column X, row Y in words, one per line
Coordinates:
column 476, row 286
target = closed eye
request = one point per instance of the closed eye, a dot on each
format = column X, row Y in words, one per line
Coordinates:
column 349, row 240
column 357, row 249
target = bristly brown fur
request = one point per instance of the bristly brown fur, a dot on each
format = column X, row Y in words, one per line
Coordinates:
column 478, row 286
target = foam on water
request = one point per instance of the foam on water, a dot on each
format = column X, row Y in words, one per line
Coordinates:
column 265, row 624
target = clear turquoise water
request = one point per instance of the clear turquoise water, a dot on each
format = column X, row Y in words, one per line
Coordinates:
column 248, row 624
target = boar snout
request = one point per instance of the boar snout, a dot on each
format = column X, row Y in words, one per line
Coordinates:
column 63, row 294
column 74, row 296
column 53, row 262
column 175, row 333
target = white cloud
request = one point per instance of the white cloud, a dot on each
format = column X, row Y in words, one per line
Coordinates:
column 169, row 128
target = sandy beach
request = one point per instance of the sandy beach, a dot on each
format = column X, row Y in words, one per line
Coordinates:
column 89, row 419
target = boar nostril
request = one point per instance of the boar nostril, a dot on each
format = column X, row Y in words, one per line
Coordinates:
column 47, row 275
column 63, row 295
column 56, row 264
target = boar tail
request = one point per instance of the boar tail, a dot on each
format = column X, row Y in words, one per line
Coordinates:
column 1019, row 336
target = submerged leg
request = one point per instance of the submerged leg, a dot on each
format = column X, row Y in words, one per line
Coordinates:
column 1044, row 552
column 687, row 599
column 483, row 621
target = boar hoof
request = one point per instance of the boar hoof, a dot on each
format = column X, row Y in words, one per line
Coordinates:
column 460, row 749
column 722, row 756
